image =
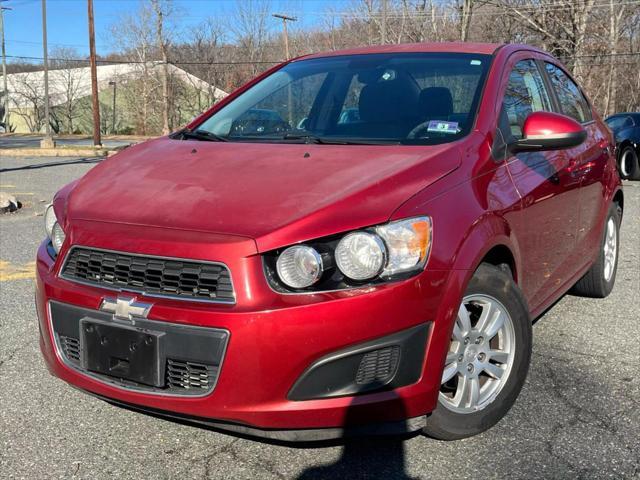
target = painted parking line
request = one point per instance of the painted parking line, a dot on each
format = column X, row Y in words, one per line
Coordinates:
column 11, row 271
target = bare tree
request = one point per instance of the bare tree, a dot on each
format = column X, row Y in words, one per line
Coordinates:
column 67, row 78
column 616, row 14
column 134, row 34
column 466, row 10
column 562, row 25
column 251, row 32
column 27, row 99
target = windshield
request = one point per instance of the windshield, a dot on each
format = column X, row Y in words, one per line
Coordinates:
column 409, row 98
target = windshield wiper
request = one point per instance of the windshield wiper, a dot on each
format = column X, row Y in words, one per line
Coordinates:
column 309, row 138
column 202, row 135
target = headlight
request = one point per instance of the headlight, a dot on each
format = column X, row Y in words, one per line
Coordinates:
column 53, row 229
column 408, row 242
column 299, row 266
column 360, row 255
column 373, row 255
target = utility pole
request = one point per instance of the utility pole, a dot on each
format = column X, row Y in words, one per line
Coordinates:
column 47, row 141
column 284, row 19
column 162, row 45
column 5, row 95
column 94, row 76
column 383, row 28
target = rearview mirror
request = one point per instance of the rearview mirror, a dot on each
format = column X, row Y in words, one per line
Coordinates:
column 548, row 131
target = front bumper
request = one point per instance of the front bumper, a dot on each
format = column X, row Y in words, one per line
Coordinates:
column 272, row 345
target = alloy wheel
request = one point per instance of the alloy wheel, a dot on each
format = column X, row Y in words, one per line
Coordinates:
column 610, row 249
column 480, row 356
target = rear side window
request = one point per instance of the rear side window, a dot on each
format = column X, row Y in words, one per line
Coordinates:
column 617, row 123
column 525, row 94
column 572, row 102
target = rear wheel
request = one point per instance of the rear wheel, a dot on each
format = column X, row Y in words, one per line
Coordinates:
column 488, row 357
column 628, row 164
column 599, row 280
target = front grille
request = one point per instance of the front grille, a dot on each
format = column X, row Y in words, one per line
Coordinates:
column 70, row 348
column 150, row 275
column 189, row 375
column 378, row 365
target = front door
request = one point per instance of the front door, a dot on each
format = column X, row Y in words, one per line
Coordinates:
column 588, row 162
column 547, row 223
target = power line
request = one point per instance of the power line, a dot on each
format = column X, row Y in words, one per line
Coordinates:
column 23, row 57
column 257, row 62
column 30, row 42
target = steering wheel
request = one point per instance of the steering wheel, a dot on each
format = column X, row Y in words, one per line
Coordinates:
column 418, row 129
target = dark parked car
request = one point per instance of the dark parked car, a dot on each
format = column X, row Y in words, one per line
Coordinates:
column 378, row 275
column 626, row 129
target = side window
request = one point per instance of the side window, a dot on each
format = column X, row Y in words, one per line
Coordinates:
column 618, row 123
column 525, row 94
column 572, row 102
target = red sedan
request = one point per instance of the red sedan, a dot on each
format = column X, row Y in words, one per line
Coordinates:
column 354, row 242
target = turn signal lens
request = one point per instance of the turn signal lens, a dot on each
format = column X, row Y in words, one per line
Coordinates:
column 57, row 237
column 49, row 219
column 408, row 243
column 361, row 255
column 53, row 229
column 299, row 266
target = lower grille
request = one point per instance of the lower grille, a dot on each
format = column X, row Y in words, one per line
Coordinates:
column 70, row 348
column 188, row 375
column 378, row 365
column 187, row 362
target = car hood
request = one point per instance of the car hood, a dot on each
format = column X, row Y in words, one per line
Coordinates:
column 277, row 194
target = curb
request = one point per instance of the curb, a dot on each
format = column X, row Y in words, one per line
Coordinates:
column 56, row 152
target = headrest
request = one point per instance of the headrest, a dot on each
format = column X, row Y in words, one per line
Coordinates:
column 436, row 102
column 387, row 101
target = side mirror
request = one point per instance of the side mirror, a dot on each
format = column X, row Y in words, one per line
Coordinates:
column 548, row 131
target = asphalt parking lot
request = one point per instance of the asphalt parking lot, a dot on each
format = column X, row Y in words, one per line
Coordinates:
column 577, row 417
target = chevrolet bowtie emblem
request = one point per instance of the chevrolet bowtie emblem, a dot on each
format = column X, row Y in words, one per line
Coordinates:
column 125, row 308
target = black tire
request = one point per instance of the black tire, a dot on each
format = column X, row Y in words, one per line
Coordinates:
column 445, row 424
column 594, row 283
column 629, row 164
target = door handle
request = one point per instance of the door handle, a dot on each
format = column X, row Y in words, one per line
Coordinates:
column 577, row 169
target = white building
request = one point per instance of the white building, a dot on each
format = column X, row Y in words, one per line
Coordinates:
column 69, row 86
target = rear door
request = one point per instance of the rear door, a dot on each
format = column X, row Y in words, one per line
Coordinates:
column 587, row 161
column 547, row 223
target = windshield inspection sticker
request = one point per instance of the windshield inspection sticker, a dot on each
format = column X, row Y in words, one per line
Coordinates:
column 441, row 126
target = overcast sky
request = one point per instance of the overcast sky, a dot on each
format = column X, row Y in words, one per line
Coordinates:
column 67, row 20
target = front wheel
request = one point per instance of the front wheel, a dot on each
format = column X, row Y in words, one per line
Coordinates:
column 488, row 357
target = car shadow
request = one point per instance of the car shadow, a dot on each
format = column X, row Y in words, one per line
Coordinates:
column 381, row 456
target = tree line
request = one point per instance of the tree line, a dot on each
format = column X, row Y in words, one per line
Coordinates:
column 598, row 41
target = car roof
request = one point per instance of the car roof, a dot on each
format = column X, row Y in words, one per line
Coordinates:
column 624, row 114
column 435, row 47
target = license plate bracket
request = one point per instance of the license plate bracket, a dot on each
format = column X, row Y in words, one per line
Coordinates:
column 122, row 351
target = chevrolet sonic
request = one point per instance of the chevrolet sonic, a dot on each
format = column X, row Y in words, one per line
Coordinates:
column 354, row 242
